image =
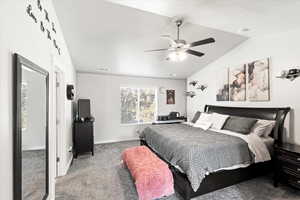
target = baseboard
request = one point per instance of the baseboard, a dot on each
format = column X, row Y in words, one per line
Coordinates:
column 51, row 198
column 34, row 148
column 115, row 141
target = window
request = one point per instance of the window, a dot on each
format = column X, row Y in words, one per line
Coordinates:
column 138, row 105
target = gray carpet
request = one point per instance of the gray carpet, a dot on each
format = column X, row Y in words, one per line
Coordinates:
column 103, row 177
column 33, row 174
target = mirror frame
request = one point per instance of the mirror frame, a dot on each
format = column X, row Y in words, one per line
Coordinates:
column 18, row 61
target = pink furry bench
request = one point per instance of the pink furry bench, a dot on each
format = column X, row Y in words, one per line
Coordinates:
column 153, row 178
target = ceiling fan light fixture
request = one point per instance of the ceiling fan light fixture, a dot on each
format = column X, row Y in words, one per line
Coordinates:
column 177, row 56
column 179, row 48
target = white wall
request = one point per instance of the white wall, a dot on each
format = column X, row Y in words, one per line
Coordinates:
column 104, row 92
column 19, row 34
column 283, row 49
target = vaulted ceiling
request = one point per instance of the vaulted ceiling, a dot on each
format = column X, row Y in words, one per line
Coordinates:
column 261, row 17
column 110, row 37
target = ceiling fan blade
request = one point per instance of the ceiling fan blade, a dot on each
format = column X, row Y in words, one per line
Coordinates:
column 195, row 53
column 166, row 49
column 202, row 42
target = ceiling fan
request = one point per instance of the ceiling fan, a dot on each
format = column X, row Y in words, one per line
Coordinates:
column 180, row 48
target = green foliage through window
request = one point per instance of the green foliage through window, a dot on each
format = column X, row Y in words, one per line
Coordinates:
column 138, row 105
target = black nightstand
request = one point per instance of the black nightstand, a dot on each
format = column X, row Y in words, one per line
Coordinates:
column 83, row 137
column 287, row 158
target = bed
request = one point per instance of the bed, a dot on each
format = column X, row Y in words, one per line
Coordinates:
column 202, row 163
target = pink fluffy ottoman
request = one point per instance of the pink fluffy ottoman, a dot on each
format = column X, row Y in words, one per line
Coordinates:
column 152, row 176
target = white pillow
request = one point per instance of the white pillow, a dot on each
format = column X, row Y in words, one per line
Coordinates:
column 218, row 120
column 263, row 128
column 204, row 117
column 204, row 121
column 204, row 125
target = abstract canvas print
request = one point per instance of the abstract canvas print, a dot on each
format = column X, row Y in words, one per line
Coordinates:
column 170, row 96
column 258, row 80
column 222, row 86
column 237, row 83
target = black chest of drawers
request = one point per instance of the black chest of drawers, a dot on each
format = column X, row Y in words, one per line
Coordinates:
column 287, row 164
column 83, row 138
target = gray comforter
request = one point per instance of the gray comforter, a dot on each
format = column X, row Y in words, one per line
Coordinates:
column 196, row 151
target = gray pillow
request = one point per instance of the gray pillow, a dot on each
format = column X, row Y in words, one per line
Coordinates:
column 239, row 124
column 196, row 117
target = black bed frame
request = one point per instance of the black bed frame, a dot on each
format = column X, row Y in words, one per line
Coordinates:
column 225, row 178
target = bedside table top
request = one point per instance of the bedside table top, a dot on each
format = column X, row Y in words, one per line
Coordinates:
column 289, row 147
column 168, row 122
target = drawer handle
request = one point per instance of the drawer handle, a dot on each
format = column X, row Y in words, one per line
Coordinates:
column 298, row 159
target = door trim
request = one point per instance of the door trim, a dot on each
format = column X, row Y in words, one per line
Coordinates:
column 59, row 110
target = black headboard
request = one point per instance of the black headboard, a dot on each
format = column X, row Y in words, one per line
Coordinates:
column 277, row 114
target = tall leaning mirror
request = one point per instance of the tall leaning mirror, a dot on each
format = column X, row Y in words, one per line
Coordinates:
column 31, row 106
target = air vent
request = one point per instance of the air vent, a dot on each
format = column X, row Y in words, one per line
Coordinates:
column 103, row 69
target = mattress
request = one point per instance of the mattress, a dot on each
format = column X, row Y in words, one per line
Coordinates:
column 268, row 141
column 197, row 152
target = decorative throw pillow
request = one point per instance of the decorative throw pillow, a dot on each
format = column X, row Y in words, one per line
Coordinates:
column 263, row 128
column 239, row 124
column 204, row 121
column 204, row 117
column 204, row 125
column 196, row 117
column 218, row 120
